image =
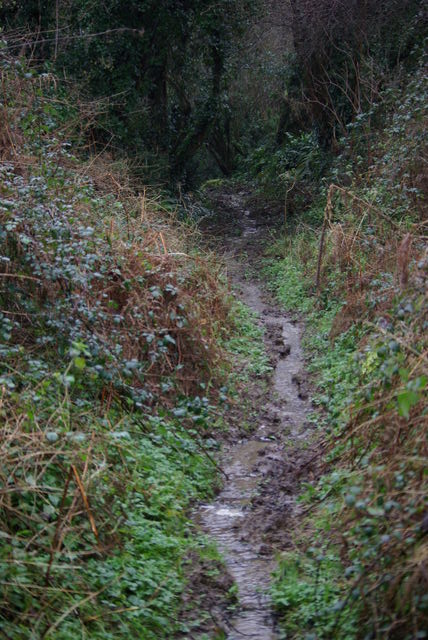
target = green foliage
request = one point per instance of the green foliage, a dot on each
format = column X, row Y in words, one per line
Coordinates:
column 142, row 475
column 293, row 170
column 307, row 593
column 248, row 344
column 285, row 279
column 100, row 459
column 364, row 538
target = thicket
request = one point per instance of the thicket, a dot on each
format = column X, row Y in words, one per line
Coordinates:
column 160, row 69
column 112, row 324
column 190, row 90
column 341, row 66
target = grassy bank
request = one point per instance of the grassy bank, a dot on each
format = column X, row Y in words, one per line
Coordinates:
column 116, row 335
column 358, row 568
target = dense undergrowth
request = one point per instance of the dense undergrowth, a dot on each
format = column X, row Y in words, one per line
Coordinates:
column 113, row 351
column 364, row 546
column 359, row 568
column 115, row 327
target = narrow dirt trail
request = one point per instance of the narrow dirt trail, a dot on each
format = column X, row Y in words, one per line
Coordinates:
column 247, row 523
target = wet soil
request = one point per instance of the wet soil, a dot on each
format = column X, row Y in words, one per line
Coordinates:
column 251, row 518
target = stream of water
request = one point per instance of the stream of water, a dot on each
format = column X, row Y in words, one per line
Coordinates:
column 223, row 520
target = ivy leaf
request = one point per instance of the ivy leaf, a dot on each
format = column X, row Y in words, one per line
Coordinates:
column 420, row 383
column 79, row 362
column 406, row 400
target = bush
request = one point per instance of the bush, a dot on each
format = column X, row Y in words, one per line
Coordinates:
column 110, row 328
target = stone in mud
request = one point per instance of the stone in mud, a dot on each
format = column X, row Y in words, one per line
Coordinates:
column 270, row 524
column 274, row 456
column 295, row 379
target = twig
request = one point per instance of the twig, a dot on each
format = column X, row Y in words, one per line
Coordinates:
column 86, row 502
column 18, row 275
column 75, row 606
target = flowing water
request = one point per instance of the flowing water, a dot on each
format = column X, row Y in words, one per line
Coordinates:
column 244, row 462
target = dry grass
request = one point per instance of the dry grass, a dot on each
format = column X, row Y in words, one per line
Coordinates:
column 148, row 245
column 363, row 244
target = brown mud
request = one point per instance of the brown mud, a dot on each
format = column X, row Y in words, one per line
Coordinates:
column 251, row 519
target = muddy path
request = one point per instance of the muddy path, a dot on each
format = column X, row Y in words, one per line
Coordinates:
column 251, row 518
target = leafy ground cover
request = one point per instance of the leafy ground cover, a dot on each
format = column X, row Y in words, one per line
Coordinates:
column 114, row 345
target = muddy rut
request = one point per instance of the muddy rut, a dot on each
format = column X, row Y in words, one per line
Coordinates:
column 250, row 516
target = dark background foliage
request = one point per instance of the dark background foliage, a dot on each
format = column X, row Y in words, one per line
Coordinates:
column 160, row 65
column 189, row 88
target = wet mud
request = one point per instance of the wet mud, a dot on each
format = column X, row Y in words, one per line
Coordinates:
column 251, row 517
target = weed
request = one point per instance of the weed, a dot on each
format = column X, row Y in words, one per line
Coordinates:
column 248, row 344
